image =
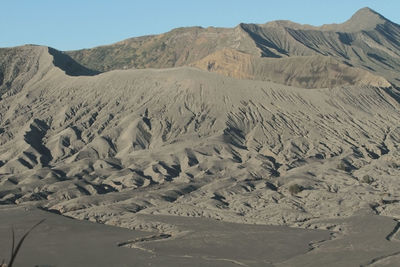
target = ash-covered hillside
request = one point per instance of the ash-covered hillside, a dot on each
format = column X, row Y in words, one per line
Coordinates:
column 310, row 131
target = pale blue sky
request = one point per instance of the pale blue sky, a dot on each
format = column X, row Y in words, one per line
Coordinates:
column 75, row 24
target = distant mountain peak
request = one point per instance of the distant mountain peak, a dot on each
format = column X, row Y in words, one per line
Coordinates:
column 366, row 12
column 363, row 19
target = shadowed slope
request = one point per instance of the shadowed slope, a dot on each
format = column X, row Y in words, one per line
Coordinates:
column 68, row 65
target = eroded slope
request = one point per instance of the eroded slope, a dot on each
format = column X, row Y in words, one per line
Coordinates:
column 192, row 143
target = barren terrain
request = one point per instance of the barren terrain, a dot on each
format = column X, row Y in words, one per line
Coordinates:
column 297, row 139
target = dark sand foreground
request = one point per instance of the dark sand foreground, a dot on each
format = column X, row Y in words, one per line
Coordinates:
column 61, row 241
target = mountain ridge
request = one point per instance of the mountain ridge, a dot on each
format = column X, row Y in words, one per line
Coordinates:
column 367, row 41
column 363, row 19
column 372, row 54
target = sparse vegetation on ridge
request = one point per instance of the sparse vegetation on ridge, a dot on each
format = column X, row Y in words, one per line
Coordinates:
column 294, row 189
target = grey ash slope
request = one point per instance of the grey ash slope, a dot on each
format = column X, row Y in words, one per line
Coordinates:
column 366, row 41
column 20, row 64
column 187, row 142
